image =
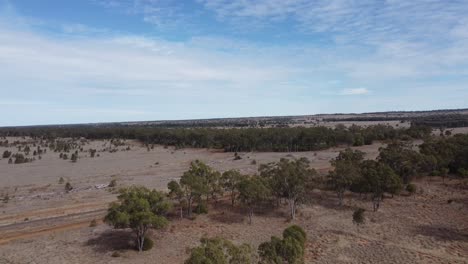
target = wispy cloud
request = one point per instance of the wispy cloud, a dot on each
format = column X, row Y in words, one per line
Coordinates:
column 380, row 49
column 355, row 91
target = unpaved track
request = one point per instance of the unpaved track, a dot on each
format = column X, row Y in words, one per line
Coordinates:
column 27, row 229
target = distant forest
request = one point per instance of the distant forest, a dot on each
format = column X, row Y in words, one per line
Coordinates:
column 435, row 121
column 277, row 139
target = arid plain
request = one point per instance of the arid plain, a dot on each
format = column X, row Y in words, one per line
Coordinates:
column 42, row 223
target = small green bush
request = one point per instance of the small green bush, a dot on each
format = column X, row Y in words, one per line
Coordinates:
column 147, row 244
column 68, row 187
column 358, row 216
column 411, row 188
column 201, row 208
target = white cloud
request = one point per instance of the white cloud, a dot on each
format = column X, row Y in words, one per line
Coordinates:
column 354, row 91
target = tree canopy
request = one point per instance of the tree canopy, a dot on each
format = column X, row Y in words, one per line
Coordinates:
column 140, row 209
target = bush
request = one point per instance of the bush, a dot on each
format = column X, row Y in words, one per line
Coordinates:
column 358, row 217
column 68, row 187
column 93, row 223
column 115, row 254
column 6, row 154
column 236, row 156
column 113, row 183
column 297, row 233
column 290, row 249
column 411, row 188
column 147, row 244
column 219, row 250
column 254, row 162
column 10, row 161
column 201, row 208
column 61, row 180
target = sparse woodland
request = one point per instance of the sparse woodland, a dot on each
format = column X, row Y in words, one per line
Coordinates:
column 287, row 182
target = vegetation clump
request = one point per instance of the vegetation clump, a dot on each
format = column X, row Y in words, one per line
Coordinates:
column 139, row 209
column 68, row 187
column 290, row 249
column 220, row 251
column 358, row 217
column 6, row 154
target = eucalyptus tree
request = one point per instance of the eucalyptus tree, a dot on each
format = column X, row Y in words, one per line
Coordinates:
column 346, row 171
column 139, row 209
column 289, row 179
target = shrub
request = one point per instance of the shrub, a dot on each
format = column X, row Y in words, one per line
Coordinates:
column 68, row 187
column 297, row 233
column 411, row 188
column 290, row 249
column 236, row 156
column 113, row 183
column 6, row 154
column 61, row 180
column 19, row 158
column 115, row 254
column 10, row 161
column 147, row 244
column 74, row 157
column 201, row 208
column 358, row 217
column 254, row 162
column 93, row 223
column 219, row 250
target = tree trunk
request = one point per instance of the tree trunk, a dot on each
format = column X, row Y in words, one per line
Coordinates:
column 233, row 199
column 340, row 198
column 181, row 212
column 190, row 206
column 292, row 208
column 250, row 215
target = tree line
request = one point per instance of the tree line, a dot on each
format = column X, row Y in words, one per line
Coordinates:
column 285, row 139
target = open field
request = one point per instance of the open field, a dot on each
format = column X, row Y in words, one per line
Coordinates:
column 41, row 223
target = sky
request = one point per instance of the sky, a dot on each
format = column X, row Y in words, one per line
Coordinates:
column 64, row 62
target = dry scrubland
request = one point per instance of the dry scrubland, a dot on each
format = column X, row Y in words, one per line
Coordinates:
column 41, row 223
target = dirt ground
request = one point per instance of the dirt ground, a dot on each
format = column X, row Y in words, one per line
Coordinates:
column 41, row 223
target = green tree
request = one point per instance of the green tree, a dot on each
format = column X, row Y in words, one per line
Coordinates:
column 289, row 250
column 140, row 209
column 176, row 192
column 230, row 182
column 379, row 178
column 253, row 190
column 220, row 251
column 289, row 179
column 402, row 160
column 195, row 183
column 346, row 171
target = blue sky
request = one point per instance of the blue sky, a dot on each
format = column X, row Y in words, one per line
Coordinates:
column 110, row 60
